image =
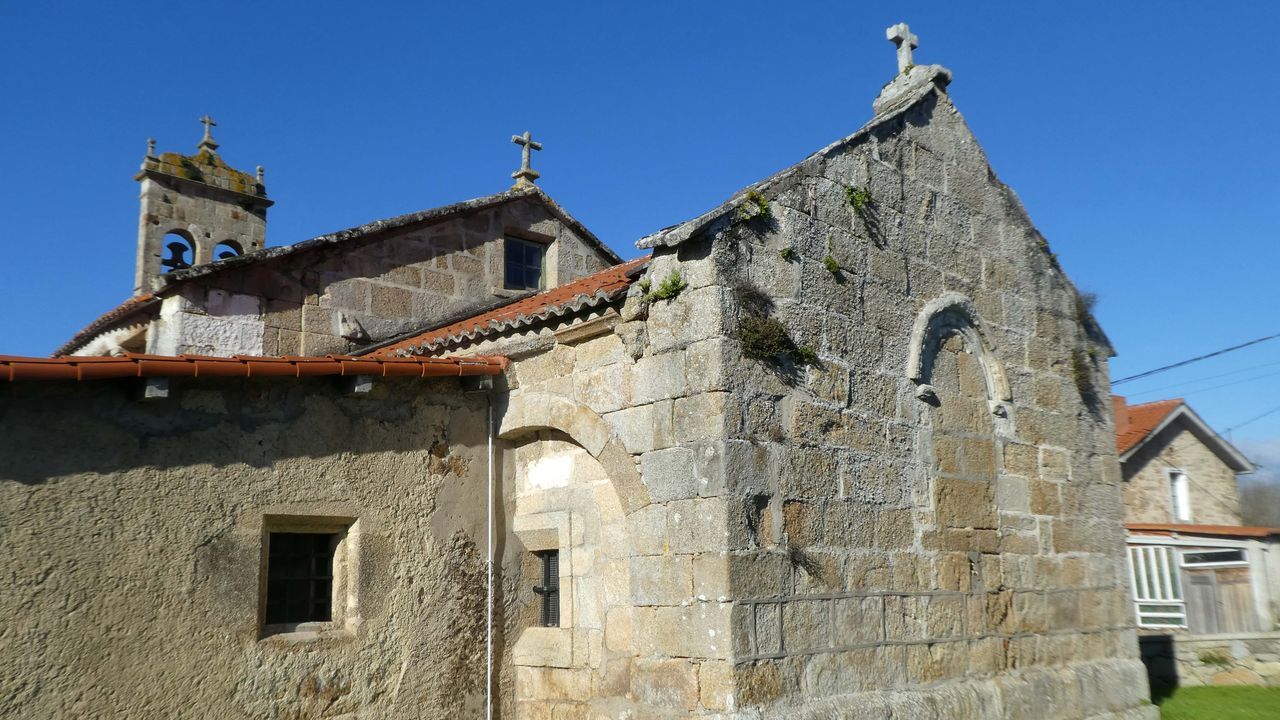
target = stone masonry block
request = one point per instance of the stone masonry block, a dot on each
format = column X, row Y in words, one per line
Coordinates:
column 661, row 580
column 703, row 416
column 965, row 503
column 659, row 377
column 904, row 617
column 856, row 621
column 669, row 474
column 806, row 625
column 1021, row 460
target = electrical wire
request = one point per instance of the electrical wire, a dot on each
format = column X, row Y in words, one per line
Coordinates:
column 1197, row 391
column 1223, row 351
column 1272, row 411
column 1185, row 383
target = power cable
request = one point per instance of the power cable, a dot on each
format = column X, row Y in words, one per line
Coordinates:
column 1194, row 359
column 1197, row 391
column 1185, row 383
column 1272, row 411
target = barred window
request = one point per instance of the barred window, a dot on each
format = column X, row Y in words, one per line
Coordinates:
column 300, row 577
column 549, row 590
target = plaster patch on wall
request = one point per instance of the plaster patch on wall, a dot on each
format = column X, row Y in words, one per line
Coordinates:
column 549, row 472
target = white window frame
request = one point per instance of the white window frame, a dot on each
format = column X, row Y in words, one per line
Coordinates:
column 1154, row 578
column 1244, row 562
column 1180, row 495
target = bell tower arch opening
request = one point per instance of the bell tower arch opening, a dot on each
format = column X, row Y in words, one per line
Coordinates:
column 178, row 252
column 219, row 212
column 227, row 249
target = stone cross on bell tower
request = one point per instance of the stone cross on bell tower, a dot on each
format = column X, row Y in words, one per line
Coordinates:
column 525, row 175
column 195, row 209
column 906, row 41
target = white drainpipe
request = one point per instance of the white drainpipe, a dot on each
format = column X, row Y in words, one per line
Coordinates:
column 488, row 658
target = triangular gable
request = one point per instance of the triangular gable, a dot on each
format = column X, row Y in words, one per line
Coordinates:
column 1138, row 424
column 896, row 101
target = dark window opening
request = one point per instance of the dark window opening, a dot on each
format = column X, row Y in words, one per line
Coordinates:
column 176, row 249
column 524, row 261
column 549, row 590
column 227, row 249
column 300, row 577
column 1210, row 557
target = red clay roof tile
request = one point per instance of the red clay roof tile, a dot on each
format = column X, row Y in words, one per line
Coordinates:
column 14, row 368
column 587, row 291
column 1135, row 422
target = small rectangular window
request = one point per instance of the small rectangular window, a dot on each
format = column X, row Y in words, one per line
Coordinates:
column 1180, row 495
column 300, row 577
column 524, row 262
column 549, row 590
column 1212, row 557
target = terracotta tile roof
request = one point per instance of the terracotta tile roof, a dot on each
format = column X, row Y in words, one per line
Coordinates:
column 584, row 292
column 119, row 312
column 14, row 368
column 1135, row 422
column 1211, row 530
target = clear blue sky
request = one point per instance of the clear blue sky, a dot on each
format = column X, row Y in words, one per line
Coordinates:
column 1142, row 137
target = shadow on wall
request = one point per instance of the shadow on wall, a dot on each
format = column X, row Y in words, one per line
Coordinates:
column 60, row 429
column 1159, row 655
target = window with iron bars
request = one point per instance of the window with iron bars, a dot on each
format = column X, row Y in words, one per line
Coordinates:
column 549, row 590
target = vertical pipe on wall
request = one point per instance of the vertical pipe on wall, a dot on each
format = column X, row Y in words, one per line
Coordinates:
column 488, row 656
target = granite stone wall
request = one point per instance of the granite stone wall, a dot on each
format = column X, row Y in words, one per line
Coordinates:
column 338, row 299
column 926, row 518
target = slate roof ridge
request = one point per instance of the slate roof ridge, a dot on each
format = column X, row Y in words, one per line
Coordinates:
column 179, row 277
column 585, row 292
column 17, row 368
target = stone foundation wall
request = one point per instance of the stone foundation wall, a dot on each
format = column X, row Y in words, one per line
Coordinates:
column 1189, row 660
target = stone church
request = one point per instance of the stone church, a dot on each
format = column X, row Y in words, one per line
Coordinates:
column 837, row 448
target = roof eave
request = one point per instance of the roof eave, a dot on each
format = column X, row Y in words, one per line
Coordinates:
column 1225, row 451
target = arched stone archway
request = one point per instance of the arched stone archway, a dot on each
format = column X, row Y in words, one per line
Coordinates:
column 964, row 416
column 570, row 486
column 542, row 411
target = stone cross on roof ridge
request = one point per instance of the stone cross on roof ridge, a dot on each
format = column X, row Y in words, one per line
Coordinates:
column 526, row 175
column 207, row 142
column 906, row 41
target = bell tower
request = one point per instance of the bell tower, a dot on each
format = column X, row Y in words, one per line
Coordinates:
column 196, row 209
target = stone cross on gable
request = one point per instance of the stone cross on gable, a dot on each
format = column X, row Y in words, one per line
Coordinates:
column 906, row 41
column 207, row 143
column 525, row 175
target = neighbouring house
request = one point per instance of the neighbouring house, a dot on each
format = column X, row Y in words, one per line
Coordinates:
column 837, row 448
column 1205, row 587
